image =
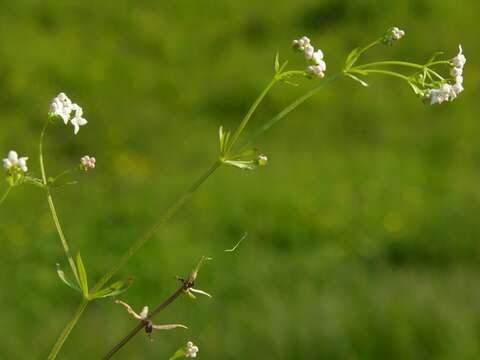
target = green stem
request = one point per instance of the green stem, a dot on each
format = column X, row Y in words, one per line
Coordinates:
column 172, row 210
column 250, row 112
column 68, row 328
column 386, row 63
column 376, row 42
column 53, row 211
column 5, row 194
column 401, row 63
column 377, row 71
column 289, row 109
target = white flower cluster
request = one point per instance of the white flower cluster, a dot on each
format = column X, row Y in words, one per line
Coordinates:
column 317, row 65
column 192, row 350
column 392, row 35
column 13, row 162
column 70, row 112
column 448, row 92
column 87, row 163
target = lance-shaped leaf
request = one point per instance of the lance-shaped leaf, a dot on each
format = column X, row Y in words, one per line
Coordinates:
column 115, row 289
column 246, row 160
column 363, row 83
column 223, row 136
column 352, row 58
column 63, row 277
column 82, row 275
column 178, row 354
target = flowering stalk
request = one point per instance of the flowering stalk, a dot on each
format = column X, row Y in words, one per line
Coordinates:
column 426, row 82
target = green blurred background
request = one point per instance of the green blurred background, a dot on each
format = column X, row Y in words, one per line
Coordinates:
column 364, row 230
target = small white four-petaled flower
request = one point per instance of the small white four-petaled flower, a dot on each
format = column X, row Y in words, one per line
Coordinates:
column 13, row 162
column 69, row 112
column 87, row 163
column 192, row 350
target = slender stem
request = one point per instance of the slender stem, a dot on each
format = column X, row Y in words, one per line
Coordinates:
column 376, row 42
column 376, row 71
column 142, row 324
column 289, row 109
column 53, row 211
column 137, row 245
column 5, row 194
column 401, row 63
column 440, row 62
column 63, row 173
column 68, row 328
column 386, row 63
column 250, row 112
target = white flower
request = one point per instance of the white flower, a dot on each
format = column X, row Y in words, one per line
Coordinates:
column 397, row 33
column 314, row 57
column 459, row 60
column 192, row 350
column 13, row 161
column 61, row 106
column 301, row 43
column 438, row 96
column 316, row 70
column 456, row 90
column 77, row 119
column 317, row 56
column 87, row 162
column 309, row 50
column 392, row 35
column 456, row 71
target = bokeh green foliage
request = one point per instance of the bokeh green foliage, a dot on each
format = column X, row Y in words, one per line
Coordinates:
column 363, row 231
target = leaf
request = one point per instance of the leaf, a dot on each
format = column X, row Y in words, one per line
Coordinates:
column 363, row 83
column 242, row 164
column 352, row 58
column 250, row 154
column 178, row 354
column 223, row 136
column 82, row 275
column 63, row 277
column 277, row 63
column 434, row 56
column 115, row 289
column 290, row 82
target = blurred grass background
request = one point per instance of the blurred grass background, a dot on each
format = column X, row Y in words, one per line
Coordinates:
column 363, row 231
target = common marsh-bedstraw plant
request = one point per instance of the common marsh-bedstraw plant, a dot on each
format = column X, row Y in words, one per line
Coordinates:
column 437, row 80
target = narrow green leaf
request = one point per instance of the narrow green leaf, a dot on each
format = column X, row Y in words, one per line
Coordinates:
column 277, row 63
column 178, row 354
column 63, row 277
column 434, row 56
column 82, row 274
column 242, row 164
column 352, row 58
column 363, row 83
column 115, row 289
